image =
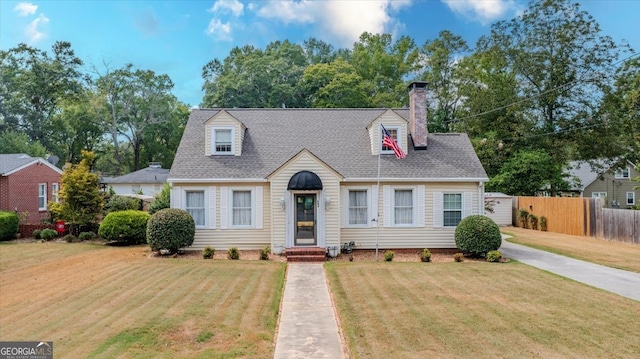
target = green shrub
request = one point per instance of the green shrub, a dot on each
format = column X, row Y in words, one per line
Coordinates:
column 122, row 203
column 69, row 238
column 388, row 256
column 458, row 257
column 171, row 229
column 162, row 200
column 208, row 252
column 128, row 227
column 533, row 221
column 523, row 216
column 264, row 253
column 48, row 234
column 87, row 236
column 494, row 256
column 9, row 222
column 543, row 223
column 233, row 253
column 477, row 235
column 37, row 233
column 425, row 255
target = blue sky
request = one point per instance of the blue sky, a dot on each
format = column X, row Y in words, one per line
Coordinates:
column 179, row 37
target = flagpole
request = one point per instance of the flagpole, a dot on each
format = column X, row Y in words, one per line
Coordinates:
column 378, row 199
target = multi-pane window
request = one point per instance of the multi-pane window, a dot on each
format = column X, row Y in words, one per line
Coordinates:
column 42, row 196
column 623, row 173
column 403, row 206
column 452, row 205
column 55, row 187
column 393, row 132
column 241, row 208
column 223, row 141
column 195, row 206
column 358, row 207
column 602, row 195
column 631, row 198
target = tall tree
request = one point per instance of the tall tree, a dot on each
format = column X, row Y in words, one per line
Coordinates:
column 162, row 138
column 441, row 57
column 335, row 85
column 250, row 77
column 34, row 84
column 385, row 65
column 136, row 99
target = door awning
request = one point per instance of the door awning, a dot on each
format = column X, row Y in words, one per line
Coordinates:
column 305, row 180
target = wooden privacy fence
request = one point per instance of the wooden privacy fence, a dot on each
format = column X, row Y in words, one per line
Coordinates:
column 582, row 217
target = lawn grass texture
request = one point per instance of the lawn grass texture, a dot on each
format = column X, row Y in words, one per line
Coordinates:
column 95, row 301
column 607, row 253
column 477, row 310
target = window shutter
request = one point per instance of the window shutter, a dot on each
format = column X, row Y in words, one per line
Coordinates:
column 438, row 210
column 259, row 207
column 387, row 204
column 212, row 207
column 467, row 204
column 420, row 206
column 374, row 205
column 344, row 218
column 224, row 207
column 176, row 197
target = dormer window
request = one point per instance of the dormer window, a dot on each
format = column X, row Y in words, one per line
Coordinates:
column 393, row 131
column 223, row 141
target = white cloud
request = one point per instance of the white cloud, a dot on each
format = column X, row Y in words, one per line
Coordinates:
column 25, row 9
column 224, row 6
column 343, row 20
column 32, row 30
column 483, row 11
column 219, row 30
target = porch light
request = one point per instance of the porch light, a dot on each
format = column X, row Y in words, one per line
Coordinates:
column 327, row 202
column 281, row 202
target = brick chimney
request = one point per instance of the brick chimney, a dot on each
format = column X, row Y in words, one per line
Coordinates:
column 418, row 114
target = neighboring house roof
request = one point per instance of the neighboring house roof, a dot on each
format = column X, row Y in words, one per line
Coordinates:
column 338, row 137
column 496, row 195
column 145, row 175
column 14, row 162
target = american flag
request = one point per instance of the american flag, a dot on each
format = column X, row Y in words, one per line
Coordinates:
column 392, row 144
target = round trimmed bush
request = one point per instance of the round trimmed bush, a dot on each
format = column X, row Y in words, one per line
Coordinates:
column 477, row 235
column 128, row 227
column 8, row 225
column 122, row 203
column 171, row 229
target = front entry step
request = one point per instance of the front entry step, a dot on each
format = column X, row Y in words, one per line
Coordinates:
column 306, row 254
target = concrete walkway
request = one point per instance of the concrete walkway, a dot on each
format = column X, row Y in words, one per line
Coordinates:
column 624, row 283
column 308, row 326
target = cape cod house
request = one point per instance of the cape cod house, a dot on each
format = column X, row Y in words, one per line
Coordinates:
column 289, row 178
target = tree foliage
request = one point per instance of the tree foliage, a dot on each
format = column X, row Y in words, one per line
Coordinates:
column 80, row 198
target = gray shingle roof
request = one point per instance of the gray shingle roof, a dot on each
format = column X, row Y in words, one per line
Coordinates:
column 338, row 137
column 145, row 175
column 9, row 162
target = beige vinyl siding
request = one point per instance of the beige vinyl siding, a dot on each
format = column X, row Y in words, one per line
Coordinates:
column 388, row 119
column 223, row 239
column 223, row 119
column 414, row 237
column 279, row 181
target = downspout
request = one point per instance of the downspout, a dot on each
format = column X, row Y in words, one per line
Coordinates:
column 481, row 198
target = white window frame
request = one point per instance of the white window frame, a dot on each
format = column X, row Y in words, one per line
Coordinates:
column 55, row 187
column 226, row 207
column 602, row 195
column 623, row 173
column 398, row 138
column 252, row 208
column 42, row 195
column 632, row 197
column 367, row 191
column 450, row 210
column 206, row 212
column 233, row 141
column 414, row 201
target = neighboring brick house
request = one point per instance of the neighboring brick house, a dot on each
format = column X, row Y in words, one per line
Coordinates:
column 27, row 184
